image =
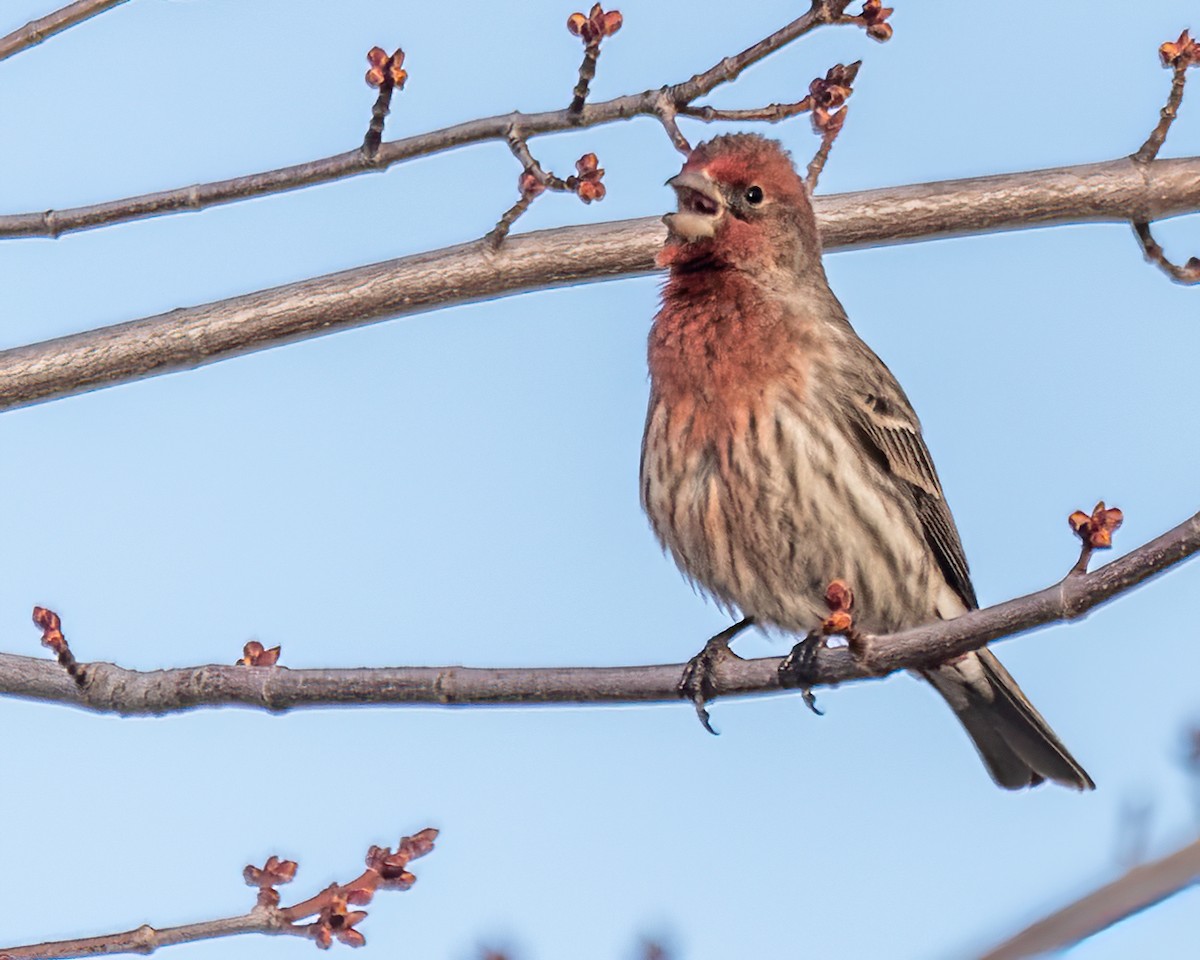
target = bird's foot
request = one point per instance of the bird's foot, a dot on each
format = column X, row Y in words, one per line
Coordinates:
column 698, row 683
column 798, row 669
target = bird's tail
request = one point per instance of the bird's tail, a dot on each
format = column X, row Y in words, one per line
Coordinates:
column 1016, row 744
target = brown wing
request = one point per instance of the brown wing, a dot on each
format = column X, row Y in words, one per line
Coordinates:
column 886, row 423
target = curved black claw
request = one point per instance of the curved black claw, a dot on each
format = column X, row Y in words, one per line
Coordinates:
column 698, row 683
column 798, row 668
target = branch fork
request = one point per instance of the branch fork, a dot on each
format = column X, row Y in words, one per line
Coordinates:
column 333, row 918
column 586, row 183
column 375, row 155
column 1178, row 56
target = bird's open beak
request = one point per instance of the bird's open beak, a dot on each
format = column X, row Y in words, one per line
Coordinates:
column 701, row 207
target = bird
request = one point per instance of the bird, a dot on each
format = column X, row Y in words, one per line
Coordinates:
column 780, row 453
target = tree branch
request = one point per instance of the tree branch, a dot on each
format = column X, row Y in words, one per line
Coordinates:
column 1180, row 55
column 1140, row 888
column 35, row 31
column 54, row 223
column 147, row 939
column 106, row 688
column 1117, row 191
column 333, row 918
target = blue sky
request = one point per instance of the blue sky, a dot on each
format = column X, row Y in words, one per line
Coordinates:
column 465, row 481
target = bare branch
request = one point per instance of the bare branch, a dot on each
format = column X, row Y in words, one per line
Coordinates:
column 666, row 111
column 592, row 30
column 54, row 223
column 586, row 183
column 1140, row 888
column 772, row 113
column 35, row 31
column 331, row 909
column 386, row 74
column 829, row 95
column 1179, row 56
column 496, row 235
column 1119, row 191
column 146, row 939
column 1187, row 273
column 105, row 688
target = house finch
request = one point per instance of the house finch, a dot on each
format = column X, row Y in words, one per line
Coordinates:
column 781, row 454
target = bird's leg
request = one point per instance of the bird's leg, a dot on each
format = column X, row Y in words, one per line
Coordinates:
column 798, row 668
column 697, row 683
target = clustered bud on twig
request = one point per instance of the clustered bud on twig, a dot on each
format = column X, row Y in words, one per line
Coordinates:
column 387, row 73
column 825, row 96
column 50, row 624
column 591, row 29
column 797, row 667
column 829, row 95
column 333, row 918
column 1182, row 52
column 826, row 100
column 254, row 654
column 874, row 17
column 586, row 183
column 267, row 877
column 839, row 598
column 1095, row 531
column 533, row 180
column 386, row 870
column 1177, row 55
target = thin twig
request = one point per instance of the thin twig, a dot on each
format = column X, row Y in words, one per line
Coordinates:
column 1116, row 191
column 587, row 73
column 146, row 939
column 829, row 95
column 1095, row 532
column 591, row 29
column 1085, row 557
column 520, row 149
column 110, row 689
column 1180, row 55
column 817, row 164
column 388, row 74
column 496, row 235
column 35, row 31
column 379, row 112
column 531, row 184
column 772, row 113
column 1166, row 116
column 54, row 223
column 1140, row 888
column 386, row 870
column 666, row 111
column 1188, row 273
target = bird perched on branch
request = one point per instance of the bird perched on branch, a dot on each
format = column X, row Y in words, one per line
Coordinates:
column 780, row 454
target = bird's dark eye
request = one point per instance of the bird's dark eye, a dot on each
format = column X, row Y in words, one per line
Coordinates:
column 754, row 195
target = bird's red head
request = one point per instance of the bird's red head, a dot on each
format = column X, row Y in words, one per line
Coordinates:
column 741, row 205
